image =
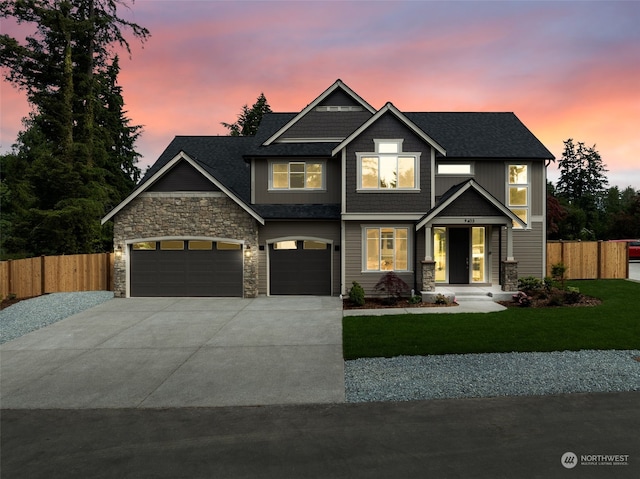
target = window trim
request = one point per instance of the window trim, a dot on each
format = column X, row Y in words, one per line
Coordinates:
column 321, row 188
column 470, row 164
column 416, row 155
column 364, row 250
column 527, row 185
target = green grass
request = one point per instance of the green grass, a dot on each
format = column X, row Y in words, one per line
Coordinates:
column 615, row 324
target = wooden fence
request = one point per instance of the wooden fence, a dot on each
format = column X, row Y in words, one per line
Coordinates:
column 590, row 259
column 54, row 274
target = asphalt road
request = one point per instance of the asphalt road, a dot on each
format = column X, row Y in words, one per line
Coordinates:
column 512, row 437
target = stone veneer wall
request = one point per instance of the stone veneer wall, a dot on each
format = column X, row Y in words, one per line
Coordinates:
column 161, row 216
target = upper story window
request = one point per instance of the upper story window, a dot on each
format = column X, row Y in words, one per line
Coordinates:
column 388, row 168
column 297, row 175
column 518, row 189
column 455, row 169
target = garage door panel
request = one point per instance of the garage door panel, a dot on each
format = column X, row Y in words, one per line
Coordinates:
column 186, row 272
column 300, row 271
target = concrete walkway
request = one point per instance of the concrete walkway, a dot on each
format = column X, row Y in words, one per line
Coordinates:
column 180, row 352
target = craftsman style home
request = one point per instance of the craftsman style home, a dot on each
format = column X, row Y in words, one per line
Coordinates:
column 336, row 193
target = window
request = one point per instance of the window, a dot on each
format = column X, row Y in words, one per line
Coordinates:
column 145, row 246
column 297, row 175
column 172, row 245
column 454, row 169
column 388, row 168
column 386, row 249
column 309, row 244
column 285, row 245
column 518, row 192
column 200, row 245
column 223, row 245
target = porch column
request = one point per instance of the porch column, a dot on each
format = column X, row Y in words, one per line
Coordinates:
column 510, row 243
column 428, row 243
column 509, row 275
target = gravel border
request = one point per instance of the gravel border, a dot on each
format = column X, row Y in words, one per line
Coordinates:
column 409, row 378
column 35, row 313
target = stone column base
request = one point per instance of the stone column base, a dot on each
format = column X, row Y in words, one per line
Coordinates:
column 428, row 275
column 509, row 276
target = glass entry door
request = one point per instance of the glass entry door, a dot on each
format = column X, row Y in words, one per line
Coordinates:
column 460, row 255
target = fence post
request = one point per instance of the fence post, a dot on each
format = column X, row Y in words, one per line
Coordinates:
column 42, row 275
column 9, row 278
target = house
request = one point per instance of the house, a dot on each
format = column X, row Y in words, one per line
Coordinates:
column 336, row 193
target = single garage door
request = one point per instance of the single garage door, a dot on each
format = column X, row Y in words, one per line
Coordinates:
column 300, row 267
column 186, row 268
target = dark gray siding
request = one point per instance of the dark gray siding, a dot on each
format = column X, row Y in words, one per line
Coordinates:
column 330, row 196
column 183, row 177
column 388, row 127
column 339, row 98
column 327, row 124
column 471, row 203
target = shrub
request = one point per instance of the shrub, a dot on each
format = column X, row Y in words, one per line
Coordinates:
column 558, row 272
column 393, row 285
column 415, row 299
column 572, row 295
column 522, row 298
column 356, row 294
column 530, row 284
column 441, row 299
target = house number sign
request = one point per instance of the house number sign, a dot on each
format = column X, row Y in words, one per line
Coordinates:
column 469, row 220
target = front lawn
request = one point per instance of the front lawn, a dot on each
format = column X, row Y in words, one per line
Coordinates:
column 615, row 324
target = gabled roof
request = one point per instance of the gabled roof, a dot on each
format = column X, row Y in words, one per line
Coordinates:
column 481, row 135
column 160, row 168
column 337, row 85
column 456, row 192
column 389, row 108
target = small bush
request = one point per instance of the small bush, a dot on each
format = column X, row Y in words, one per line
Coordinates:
column 556, row 300
column 558, row 272
column 522, row 299
column 356, row 294
column 441, row 299
column 572, row 295
column 393, row 285
column 415, row 299
column 530, row 284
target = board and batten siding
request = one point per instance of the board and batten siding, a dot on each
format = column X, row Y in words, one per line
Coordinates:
column 328, row 230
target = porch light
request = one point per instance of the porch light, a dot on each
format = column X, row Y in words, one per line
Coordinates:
column 118, row 251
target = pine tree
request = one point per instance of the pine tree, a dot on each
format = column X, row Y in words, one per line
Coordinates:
column 76, row 155
column 249, row 119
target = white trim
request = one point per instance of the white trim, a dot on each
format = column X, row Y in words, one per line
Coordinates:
column 315, row 103
column 126, row 252
column 408, row 123
column 433, row 215
column 363, row 247
column 381, row 216
column 182, row 194
column 311, row 140
column 253, row 181
column 180, row 156
column 343, row 258
column 321, row 189
column 433, row 178
column 343, row 166
column 297, row 238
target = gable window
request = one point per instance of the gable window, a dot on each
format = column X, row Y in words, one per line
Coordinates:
column 386, row 249
column 518, row 192
column 388, row 168
column 297, row 175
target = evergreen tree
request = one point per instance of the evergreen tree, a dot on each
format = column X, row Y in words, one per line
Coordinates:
column 581, row 187
column 76, row 157
column 249, row 119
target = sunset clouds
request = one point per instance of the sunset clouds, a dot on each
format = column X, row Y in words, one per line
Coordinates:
column 567, row 69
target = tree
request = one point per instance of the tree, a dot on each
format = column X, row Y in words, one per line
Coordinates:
column 76, row 157
column 249, row 119
column 581, row 187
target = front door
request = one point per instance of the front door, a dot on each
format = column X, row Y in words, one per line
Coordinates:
column 459, row 256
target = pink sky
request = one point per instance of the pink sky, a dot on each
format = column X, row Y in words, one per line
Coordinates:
column 567, row 69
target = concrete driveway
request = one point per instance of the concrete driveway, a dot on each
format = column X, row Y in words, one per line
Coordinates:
column 180, row 352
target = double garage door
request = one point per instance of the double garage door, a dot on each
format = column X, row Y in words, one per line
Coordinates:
column 186, row 268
